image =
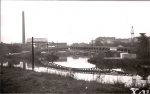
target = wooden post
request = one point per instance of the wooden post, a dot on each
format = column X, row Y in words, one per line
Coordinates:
column 32, row 54
column 47, row 47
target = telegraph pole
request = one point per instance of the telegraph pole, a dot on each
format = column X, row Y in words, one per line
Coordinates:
column 32, row 53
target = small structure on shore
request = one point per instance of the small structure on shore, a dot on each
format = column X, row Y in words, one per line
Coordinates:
column 127, row 56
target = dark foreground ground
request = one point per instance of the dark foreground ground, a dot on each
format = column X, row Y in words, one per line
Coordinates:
column 16, row 80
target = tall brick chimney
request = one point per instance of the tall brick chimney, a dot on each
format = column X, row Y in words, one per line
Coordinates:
column 23, row 28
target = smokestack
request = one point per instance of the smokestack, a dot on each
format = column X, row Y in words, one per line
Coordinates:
column 23, row 28
column 0, row 34
column 0, row 29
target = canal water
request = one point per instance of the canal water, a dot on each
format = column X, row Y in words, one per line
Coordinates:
column 127, row 79
column 79, row 62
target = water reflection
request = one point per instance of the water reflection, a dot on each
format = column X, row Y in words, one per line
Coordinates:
column 76, row 63
column 128, row 80
column 62, row 59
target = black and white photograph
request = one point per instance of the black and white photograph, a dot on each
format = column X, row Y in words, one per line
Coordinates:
column 75, row 46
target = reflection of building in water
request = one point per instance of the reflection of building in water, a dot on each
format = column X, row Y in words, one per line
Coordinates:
column 75, row 56
column 62, row 53
column 40, row 43
column 62, row 59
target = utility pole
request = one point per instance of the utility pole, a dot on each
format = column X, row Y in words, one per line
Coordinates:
column 32, row 54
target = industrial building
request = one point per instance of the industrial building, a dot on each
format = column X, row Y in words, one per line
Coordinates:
column 40, row 43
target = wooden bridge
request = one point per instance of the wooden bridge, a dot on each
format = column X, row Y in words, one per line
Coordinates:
column 90, row 48
column 101, row 48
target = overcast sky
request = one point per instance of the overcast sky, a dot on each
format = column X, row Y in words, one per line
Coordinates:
column 74, row 21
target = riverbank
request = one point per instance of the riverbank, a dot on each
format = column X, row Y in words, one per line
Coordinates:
column 16, row 80
column 131, row 66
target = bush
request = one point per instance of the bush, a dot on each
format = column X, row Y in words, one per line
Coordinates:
column 51, row 57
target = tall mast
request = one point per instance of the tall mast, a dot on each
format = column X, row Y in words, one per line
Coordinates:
column 132, row 34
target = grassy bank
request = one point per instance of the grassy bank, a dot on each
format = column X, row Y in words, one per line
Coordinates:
column 133, row 66
column 16, row 80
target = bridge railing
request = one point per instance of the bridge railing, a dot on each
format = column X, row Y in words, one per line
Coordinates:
column 101, row 48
